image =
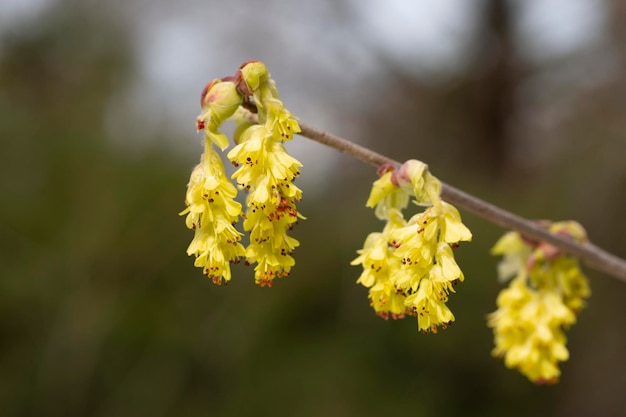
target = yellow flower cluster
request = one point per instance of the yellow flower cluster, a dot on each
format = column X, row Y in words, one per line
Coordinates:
column 546, row 292
column 409, row 267
column 211, row 213
column 266, row 171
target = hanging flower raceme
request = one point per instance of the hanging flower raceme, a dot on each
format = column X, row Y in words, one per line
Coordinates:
column 377, row 257
column 211, row 212
column 266, row 171
column 409, row 267
column 546, row 292
column 211, row 209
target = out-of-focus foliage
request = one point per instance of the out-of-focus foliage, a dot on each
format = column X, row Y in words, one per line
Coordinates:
column 102, row 313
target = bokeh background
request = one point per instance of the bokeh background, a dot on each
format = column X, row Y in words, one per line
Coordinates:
column 522, row 103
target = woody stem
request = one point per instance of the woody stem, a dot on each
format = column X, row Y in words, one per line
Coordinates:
column 590, row 254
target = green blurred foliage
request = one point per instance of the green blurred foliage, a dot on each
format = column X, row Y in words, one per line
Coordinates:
column 102, row 313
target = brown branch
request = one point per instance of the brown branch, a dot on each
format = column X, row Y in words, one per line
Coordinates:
column 590, row 254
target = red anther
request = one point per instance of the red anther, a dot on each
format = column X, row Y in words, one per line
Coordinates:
column 284, row 206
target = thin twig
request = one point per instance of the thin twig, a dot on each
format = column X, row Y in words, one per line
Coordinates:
column 588, row 253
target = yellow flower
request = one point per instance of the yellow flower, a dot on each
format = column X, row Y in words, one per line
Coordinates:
column 428, row 237
column 412, row 262
column 451, row 227
column 515, row 253
column 445, row 269
column 416, row 244
column 378, row 266
column 528, row 327
column 265, row 167
column 429, row 304
column 572, row 282
column 271, row 110
column 386, row 195
column 543, row 299
column 430, row 280
column 211, row 212
column 268, row 172
column 270, row 247
column 280, row 121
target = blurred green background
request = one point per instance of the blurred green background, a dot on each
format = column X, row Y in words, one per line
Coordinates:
column 103, row 314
